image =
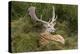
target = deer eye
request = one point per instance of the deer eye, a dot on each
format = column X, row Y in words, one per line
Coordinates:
column 48, row 27
column 50, row 24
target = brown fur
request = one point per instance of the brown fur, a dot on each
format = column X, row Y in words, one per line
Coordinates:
column 46, row 37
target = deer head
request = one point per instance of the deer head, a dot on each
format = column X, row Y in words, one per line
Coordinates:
column 48, row 25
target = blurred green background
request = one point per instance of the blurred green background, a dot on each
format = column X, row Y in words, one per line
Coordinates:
column 25, row 34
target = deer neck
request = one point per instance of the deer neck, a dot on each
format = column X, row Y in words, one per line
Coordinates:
column 45, row 33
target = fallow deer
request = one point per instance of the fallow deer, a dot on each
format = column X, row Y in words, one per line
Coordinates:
column 46, row 36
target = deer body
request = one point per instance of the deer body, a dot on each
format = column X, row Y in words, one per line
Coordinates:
column 46, row 36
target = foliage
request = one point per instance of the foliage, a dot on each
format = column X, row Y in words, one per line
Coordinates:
column 25, row 33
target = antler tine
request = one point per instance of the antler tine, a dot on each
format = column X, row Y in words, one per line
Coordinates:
column 54, row 17
column 32, row 13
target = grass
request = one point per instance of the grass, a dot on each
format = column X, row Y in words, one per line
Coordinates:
column 25, row 34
